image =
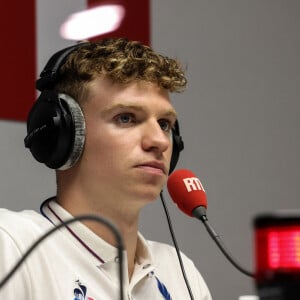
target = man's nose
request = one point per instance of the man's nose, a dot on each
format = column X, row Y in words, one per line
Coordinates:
column 154, row 138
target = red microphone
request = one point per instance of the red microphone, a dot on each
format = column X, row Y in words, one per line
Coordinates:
column 187, row 192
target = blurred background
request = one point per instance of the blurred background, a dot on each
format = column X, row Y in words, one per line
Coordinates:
column 239, row 116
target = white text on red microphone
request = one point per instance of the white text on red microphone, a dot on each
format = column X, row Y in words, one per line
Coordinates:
column 193, row 184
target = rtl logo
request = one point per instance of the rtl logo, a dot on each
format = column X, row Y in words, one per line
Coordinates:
column 193, row 184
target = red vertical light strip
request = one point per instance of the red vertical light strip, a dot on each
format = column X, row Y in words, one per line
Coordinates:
column 136, row 23
column 18, row 58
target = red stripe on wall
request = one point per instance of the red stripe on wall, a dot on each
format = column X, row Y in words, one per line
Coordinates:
column 18, row 58
column 136, row 23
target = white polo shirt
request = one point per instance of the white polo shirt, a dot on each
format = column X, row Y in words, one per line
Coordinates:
column 76, row 264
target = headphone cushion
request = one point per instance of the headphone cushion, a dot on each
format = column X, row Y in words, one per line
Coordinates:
column 79, row 131
column 178, row 146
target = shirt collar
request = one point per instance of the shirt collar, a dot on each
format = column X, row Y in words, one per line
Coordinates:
column 106, row 252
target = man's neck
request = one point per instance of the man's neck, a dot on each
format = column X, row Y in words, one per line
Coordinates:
column 126, row 222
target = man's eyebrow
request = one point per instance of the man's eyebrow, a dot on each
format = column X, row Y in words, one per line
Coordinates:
column 169, row 112
column 122, row 106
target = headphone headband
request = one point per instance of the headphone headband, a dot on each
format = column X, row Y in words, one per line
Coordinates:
column 50, row 74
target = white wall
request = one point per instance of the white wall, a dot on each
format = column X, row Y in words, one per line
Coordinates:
column 239, row 120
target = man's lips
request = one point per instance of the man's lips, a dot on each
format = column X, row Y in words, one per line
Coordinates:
column 153, row 165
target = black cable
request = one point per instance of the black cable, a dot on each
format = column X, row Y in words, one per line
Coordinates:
column 99, row 219
column 176, row 245
column 200, row 213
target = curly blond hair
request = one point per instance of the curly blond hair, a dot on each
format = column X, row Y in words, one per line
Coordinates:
column 123, row 61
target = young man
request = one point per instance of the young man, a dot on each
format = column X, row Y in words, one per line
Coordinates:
column 112, row 148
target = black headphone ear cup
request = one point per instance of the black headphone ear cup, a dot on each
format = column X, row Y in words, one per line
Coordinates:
column 56, row 130
column 178, row 146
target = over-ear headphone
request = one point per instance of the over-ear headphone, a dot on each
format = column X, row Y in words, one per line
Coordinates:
column 56, row 125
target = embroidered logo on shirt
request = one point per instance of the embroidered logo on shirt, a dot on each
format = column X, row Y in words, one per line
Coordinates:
column 80, row 292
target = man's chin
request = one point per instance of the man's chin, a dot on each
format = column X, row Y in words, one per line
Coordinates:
column 148, row 194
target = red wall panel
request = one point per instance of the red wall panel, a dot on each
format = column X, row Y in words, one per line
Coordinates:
column 136, row 23
column 18, row 58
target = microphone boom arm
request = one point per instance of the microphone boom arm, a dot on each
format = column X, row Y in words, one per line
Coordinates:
column 200, row 213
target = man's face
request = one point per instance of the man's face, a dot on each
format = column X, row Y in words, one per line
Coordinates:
column 128, row 140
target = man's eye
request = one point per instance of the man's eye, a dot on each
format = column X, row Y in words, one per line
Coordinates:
column 125, row 118
column 165, row 125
